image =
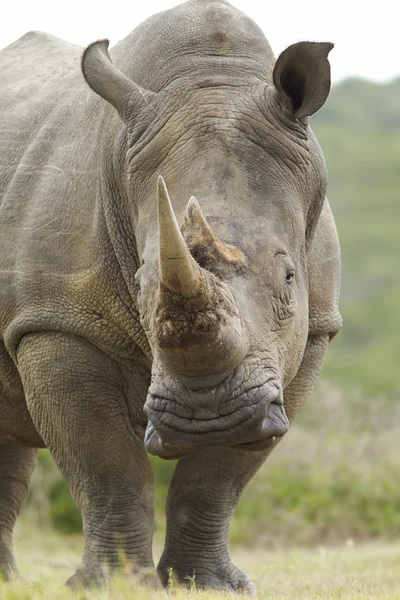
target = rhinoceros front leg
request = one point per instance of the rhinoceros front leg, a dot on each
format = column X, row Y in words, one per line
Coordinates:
column 77, row 398
column 203, row 494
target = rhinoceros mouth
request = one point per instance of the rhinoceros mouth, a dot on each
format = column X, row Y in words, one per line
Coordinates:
column 167, row 443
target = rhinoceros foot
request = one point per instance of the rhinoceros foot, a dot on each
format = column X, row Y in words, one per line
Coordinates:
column 8, row 572
column 224, row 577
column 146, row 578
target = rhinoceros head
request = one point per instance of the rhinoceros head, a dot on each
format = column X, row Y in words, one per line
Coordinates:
column 223, row 287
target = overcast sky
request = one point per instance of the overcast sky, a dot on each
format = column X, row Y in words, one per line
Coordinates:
column 366, row 34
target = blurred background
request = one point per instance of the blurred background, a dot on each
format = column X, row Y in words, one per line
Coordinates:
column 336, row 476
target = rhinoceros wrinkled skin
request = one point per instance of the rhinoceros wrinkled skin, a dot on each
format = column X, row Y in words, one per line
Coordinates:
column 194, row 332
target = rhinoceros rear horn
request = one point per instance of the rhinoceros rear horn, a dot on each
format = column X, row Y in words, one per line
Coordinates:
column 203, row 241
column 302, row 75
column 110, row 83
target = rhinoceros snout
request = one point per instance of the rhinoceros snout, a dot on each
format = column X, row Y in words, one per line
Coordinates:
column 250, row 420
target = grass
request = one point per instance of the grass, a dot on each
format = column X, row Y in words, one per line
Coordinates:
column 350, row 571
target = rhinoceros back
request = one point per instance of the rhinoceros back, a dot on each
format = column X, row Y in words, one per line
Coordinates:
column 34, row 75
column 46, row 134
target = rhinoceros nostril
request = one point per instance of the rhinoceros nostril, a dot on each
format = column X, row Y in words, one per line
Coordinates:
column 150, row 433
column 154, row 445
column 275, row 423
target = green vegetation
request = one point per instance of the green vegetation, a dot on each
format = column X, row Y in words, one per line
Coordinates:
column 359, row 131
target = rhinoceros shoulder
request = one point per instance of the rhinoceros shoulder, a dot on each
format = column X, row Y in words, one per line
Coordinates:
column 37, row 40
column 35, row 57
column 324, row 276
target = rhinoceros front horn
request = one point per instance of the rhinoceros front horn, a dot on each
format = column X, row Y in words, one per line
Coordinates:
column 179, row 272
column 196, row 321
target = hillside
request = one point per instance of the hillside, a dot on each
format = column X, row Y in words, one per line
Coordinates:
column 359, row 131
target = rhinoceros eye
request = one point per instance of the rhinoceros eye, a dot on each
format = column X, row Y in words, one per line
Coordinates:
column 289, row 276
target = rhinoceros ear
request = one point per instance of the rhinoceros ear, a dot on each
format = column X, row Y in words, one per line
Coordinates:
column 302, row 75
column 110, row 83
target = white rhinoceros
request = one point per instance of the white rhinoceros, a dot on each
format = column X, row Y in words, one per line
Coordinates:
column 127, row 325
